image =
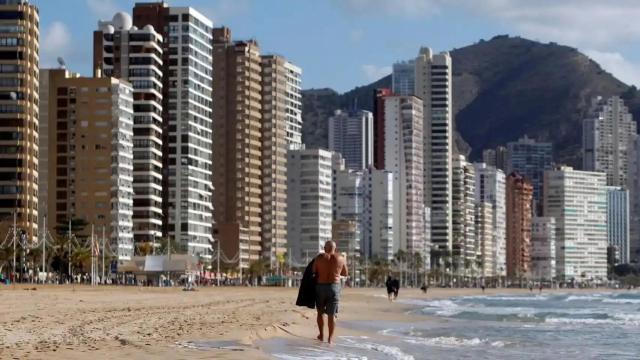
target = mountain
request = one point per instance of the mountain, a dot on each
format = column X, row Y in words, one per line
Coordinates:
column 503, row 88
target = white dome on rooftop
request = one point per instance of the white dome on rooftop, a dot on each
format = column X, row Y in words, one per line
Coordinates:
column 122, row 21
column 108, row 29
column 149, row 28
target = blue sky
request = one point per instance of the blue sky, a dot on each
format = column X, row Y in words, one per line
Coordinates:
column 345, row 43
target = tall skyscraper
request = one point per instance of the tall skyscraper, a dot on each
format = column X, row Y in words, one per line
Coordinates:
column 490, row 188
column 187, row 125
column 19, row 117
column 543, row 248
column 485, row 239
column 309, row 202
column 433, row 84
column 281, row 130
column 237, row 151
column 403, row 78
column 607, row 139
column 496, row 157
column 403, row 156
column 463, row 211
column 578, row 202
column 530, row 159
column 135, row 55
column 377, row 222
column 618, row 223
column 379, row 127
column 351, row 134
column 348, row 206
column 519, row 196
column 90, row 147
column 634, row 200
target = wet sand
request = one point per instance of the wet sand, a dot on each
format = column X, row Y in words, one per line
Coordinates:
column 80, row 322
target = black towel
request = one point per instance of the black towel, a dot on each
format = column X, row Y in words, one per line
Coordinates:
column 307, row 292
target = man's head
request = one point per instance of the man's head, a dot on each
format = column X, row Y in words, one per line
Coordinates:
column 329, row 247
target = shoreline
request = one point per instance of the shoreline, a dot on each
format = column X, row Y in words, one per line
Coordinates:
column 75, row 322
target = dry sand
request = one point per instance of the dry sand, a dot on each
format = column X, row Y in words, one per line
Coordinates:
column 81, row 322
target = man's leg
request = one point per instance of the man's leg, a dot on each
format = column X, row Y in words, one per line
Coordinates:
column 320, row 321
column 332, row 327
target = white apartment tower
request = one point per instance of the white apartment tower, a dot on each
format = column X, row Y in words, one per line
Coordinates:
column 377, row 220
column 351, row 134
column 187, row 122
column 403, row 78
column 578, row 202
column 126, row 52
column 309, row 202
column 433, row 84
column 607, row 139
column 403, row 153
column 543, row 248
column 485, row 239
column 463, row 210
column 490, row 188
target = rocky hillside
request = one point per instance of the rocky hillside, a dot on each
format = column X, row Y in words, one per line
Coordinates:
column 504, row 88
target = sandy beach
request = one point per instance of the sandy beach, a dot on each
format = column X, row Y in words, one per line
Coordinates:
column 80, row 322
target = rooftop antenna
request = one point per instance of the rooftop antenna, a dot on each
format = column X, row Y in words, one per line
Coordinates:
column 61, row 63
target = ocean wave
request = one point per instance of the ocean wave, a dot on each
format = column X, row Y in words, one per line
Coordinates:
column 392, row 351
column 594, row 297
column 450, row 341
column 622, row 301
column 616, row 319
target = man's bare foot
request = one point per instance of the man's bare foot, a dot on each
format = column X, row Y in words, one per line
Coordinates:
column 320, row 337
column 329, row 341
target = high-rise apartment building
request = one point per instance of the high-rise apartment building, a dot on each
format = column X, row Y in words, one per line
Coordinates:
column 377, row 220
column 348, row 203
column 403, row 156
column 496, row 157
column 19, row 31
column 633, row 185
column 281, row 130
column 187, row 122
column 433, row 84
column 618, row 231
column 237, row 150
column 543, row 248
column 485, row 239
column 309, row 202
column 578, row 202
column 519, row 196
column 351, row 134
column 530, row 159
column 379, row 127
column 403, row 78
column 490, row 188
column 90, row 147
column 134, row 54
column 607, row 139
column 463, row 211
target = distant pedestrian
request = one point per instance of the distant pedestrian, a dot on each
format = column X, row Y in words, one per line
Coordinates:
column 390, row 288
column 482, row 287
column 540, row 288
column 424, row 288
column 396, row 288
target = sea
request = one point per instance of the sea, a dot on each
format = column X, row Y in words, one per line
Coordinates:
column 602, row 325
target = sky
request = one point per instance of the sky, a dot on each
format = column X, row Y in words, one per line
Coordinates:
column 342, row 44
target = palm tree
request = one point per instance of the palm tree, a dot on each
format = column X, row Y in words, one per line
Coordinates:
column 378, row 271
column 259, row 268
column 400, row 258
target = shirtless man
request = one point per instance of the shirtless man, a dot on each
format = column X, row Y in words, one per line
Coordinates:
column 328, row 268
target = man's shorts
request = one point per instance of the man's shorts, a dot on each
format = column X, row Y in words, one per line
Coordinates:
column 327, row 298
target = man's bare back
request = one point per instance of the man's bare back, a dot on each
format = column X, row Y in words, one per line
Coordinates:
column 329, row 268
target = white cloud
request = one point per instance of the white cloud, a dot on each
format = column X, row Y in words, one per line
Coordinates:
column 221, row 10
column 103, row 9
column 55, row 43
column 404, row 8
column 373, row 72
column 616, row 64
column 581, row 23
